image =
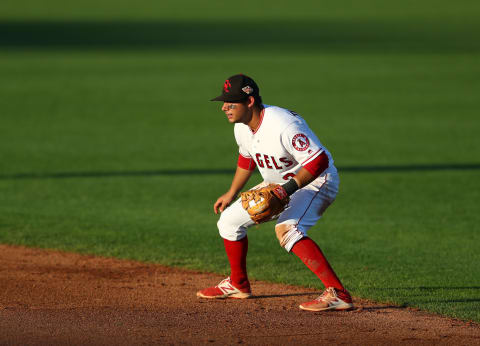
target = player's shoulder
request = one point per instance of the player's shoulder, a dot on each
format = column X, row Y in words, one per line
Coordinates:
column 241, row 130
column 281, row 117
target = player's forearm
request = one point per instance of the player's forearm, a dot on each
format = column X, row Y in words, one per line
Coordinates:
column 307, row 174
column 303, row 177
column 239, row 180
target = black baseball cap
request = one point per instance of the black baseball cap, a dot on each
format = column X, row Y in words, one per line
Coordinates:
column 238, row 88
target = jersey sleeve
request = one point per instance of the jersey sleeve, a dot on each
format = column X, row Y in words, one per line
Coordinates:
column 305, row 147
column 238, row 138
column 245, row 160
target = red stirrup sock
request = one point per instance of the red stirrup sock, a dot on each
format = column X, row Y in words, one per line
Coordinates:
column 310, row 254
column 237, row 256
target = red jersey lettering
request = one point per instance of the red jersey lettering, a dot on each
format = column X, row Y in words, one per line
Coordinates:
column 275, row 163
column 259, row 160
column 267, row 161
column 286, row 161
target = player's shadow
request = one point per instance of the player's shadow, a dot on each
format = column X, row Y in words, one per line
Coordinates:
column 360, row 307
column 227, row 171
column 357, row 306
column 427, row 288
column 266, row 296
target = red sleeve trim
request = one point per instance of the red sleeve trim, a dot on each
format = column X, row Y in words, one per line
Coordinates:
column 246, row 162
column 318, row 165
column 310, row 157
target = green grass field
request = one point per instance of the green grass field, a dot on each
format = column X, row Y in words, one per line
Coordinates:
column 109, row 145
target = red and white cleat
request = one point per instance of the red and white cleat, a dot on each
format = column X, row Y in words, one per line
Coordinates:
column 226, row 289
column 331, row 299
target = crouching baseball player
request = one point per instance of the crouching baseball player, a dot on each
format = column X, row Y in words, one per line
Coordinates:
column 300, row 182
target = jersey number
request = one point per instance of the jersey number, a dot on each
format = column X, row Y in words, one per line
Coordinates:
column 288, row 176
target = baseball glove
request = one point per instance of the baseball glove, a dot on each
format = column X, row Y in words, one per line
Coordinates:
column 265, row 203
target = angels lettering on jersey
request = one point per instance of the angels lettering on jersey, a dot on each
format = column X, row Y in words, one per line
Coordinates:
column 281, row 145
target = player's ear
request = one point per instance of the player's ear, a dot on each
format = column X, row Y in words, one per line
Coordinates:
column 250, row 101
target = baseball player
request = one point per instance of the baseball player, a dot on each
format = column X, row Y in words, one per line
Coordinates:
column 288, row 155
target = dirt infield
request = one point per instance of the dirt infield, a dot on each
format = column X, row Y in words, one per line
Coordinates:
column 50, row 297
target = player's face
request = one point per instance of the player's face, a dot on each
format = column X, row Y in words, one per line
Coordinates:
column 236, row 112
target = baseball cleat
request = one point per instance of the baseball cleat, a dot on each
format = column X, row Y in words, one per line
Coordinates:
column 330, row 299
column 225, row 289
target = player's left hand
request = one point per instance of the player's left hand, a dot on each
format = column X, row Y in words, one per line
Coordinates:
column 223, row 202
column 265, row 203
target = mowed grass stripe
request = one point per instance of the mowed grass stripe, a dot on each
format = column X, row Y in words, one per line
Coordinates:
column 231, row 171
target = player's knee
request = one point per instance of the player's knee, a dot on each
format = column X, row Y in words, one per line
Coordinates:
column 223, row 227
column 287, row 235
column 281, row 231
column 228, row 230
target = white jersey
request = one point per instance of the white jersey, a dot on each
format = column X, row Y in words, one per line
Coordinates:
column 281, row 145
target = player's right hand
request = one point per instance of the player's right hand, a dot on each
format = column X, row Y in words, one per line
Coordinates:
column 222, row 202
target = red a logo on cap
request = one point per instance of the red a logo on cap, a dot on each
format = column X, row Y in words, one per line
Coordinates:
column 227, row 86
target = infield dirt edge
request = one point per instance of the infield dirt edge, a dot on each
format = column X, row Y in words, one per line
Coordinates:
column 56, row 297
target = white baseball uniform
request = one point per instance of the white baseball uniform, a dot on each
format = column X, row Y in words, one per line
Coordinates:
column 279, row 147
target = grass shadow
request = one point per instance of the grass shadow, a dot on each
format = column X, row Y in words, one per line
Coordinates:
column 227, row 171
column 395, row 36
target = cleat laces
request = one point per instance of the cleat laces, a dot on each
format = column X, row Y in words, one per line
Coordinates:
column 223, row 281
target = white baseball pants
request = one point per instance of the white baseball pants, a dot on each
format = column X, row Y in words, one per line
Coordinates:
column 306, row 207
